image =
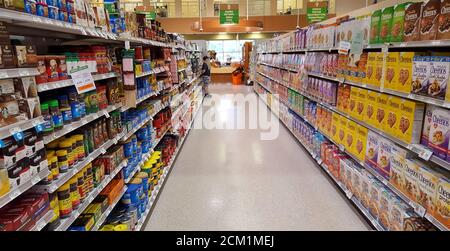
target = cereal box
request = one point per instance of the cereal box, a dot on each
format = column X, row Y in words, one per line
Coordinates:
column 379, row 63
column 381, row 112
column 350, row 138
column 392, row 71
column 411, row 179
column 370, row 68
column 384, row 157
column 411, row 118
column 386, row 25
column 405, row 69
column 335, row 127
column 411, row 25
column 387, row 199
column 353, row 101
column 375, row 191
column 439, row 77
column 356, row 181
column 362, row 65
column 439, row 132
column 427, row 184
column 342, row 130
column 420, row 74
column 398, row 214
column 397, row 23
column 343, row 98
column 345, row 178
column 427, row 125
column 442, row 212
column 361, row 141
column 361, row 104
column 429, row 19
column 375, row 27
column 371, row 108
column 397, row 175
column 444, row 21
column 372, row 148
column 366, row 183
column 393, row 118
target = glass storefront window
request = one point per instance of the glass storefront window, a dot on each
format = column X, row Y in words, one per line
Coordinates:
column 227, row 49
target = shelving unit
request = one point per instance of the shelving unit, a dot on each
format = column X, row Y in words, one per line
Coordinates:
column 105, row 214
column 66, row 83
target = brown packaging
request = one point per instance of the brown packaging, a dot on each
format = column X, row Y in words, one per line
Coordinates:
column 429, row 20
column 6, row 57
column 411, row 24
column 444, row 21
column 30, row 107
column 26, row 55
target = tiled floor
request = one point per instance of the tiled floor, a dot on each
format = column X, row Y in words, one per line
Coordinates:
column 232, row 180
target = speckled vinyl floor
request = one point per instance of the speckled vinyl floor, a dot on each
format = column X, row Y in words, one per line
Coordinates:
column 232, row 180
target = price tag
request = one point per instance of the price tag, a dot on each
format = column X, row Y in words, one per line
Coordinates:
column 35, row 180
column 349, row 194
column 14, row 194
column 53, row 188
column 344, row 47
column 421, row 211
column 342, row 148
column 23, row 73
column 83, row 82
column 320, row 161
column 49, row 21
column 425, row 154
column 3, row 74
column 17, row 133
column 37, row 19
column 60, row 24
column 106, row 114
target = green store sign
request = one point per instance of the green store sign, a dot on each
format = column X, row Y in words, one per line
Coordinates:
column 229, row 14
column 317, row 11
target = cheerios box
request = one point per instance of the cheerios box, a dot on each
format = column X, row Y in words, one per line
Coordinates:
column 387, row 199
column 378, row 74
column 370, row 68
column 376, row 188
column 411, row 170
column 366, row 183
column 342, row 130
column 391, row 67
column 345, row 174
column 384, row 157
column 372, row 146
column 361, row 104
column 335, row 126
column 356, row 181
column 381, row 111
column 351, row 136
column 411, row 118
column 420, row 74
column 399, row 212
column 393, row 117
column 443, row 201
column 438, row 138
column 361, row 142
column 398, row 22
column 428, row 180
column 438, row 77
column 405, row 71
column 371, row 108
column 427, row 122
column 353, row 101
column 398, row 157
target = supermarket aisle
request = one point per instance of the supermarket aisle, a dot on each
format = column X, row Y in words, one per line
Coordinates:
column 231, row 180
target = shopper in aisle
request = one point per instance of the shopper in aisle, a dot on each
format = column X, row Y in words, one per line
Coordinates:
column 206, row 74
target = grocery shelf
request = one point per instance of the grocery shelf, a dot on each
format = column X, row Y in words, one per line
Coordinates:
column 77, row 124
column 18, row 72
column 64, row 177
column 152, row 94
column 105, row 214
column 136, row 128
column 68, row 82
column 153, row 71
column 417, row 208
column 22, row 188
column 65, row 223
column 9, row 130
column 279, row 67
column 340, row 80
column 42, row 222
column 424, row 44
column 343, row 189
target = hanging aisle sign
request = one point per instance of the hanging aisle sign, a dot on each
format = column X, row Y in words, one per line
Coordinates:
column 229, row 14
column 316, row 11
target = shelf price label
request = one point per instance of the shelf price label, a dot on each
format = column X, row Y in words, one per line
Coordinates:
column 83, row 82
column 425, row 154
column 420, row 210
column 349, row 194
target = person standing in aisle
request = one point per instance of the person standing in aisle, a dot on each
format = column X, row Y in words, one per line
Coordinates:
column 206, row 74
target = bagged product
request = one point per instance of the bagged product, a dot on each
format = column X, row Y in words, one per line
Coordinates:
column 429, row 19
column 411, row 25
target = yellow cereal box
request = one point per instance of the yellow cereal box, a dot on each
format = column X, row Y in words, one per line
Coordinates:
column 342, row 130
column 378, row 73
column 361, row 104
column 443, row 202
column 353, row 101
column 350, row 138
column 393, row 118
column 405, row 72
column 381, row 112
column 371, row 108
column 370, row 69
column 391, row 74
column 335, row 126
column 361, row 141
column 411, row 118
